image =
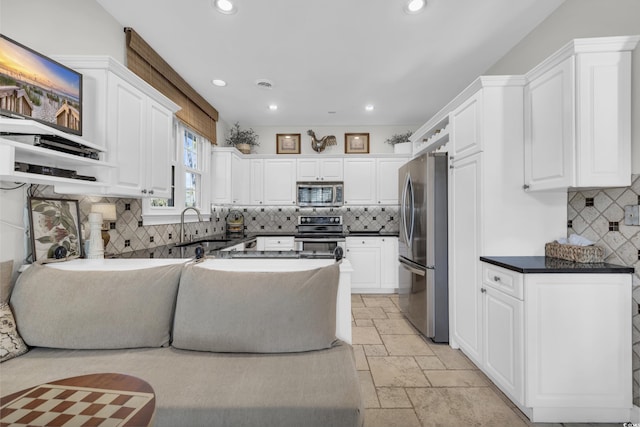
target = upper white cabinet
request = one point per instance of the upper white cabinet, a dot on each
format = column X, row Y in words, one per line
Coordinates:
column 359, row 181
column 256, row 193
column 279, row 180
column 221, row 167
column 465, row 127
column 577, row 107
column 327, row 169
column 371, row 181
column 132, row 120
column 387, row 180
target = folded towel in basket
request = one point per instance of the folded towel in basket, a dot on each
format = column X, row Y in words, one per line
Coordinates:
column 575, row 240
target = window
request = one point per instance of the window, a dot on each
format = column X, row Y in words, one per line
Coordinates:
column 189, row 172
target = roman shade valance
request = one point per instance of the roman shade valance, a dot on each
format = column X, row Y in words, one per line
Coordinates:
column 146, row 63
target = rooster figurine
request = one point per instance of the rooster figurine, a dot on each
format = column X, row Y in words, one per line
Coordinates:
column 320, row 145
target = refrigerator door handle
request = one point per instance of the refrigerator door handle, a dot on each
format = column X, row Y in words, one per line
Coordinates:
column 403, row 212
column 412, row 266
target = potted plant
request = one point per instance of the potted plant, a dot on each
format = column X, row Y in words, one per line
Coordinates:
column 243, row 140
column 400, row 142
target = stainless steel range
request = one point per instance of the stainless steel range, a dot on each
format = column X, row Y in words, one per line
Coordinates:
column 320, row 233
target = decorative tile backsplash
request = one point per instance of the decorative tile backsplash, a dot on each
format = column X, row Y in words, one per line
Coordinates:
column 128, row 234
column 598, row 215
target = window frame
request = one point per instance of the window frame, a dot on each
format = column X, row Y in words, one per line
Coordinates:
column 159, row 215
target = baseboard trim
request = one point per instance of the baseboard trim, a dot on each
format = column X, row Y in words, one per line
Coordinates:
column 635, row 414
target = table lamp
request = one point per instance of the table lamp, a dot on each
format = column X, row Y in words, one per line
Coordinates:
column 108, row 212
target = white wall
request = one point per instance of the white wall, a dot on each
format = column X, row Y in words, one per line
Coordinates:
column 578, row 19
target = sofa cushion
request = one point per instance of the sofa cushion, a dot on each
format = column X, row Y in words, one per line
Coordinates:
column 11, row 345
column 256, row 312
column 95, row 309
column 193, row 388
column 6, row 270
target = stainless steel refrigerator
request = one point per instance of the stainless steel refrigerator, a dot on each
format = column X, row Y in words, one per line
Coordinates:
column 423, row 252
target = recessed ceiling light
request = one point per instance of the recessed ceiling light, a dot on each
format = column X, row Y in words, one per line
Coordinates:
column 369, row 107
column 224, row 6
column 414, row 6
column 218, row 82
column 273, row 107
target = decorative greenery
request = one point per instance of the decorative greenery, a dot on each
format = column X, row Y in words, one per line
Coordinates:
column 239, row 136
column 399, row 138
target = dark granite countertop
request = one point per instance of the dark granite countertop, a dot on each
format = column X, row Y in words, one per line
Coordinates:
column 541, row 264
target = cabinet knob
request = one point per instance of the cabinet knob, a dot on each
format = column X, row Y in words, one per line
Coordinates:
column 496, row 278
column 144, row 191
column 150, row 191
column 450, row 166
column 526, row 187
column 483, row 290
column 363, row 242
column 260, row 202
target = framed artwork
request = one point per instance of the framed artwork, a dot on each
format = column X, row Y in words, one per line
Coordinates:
column 55, row 223
column 288, row 143
column 356, row 143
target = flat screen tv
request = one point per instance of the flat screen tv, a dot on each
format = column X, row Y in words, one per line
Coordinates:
column 36, row 87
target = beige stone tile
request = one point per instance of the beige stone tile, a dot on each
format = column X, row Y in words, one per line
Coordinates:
column 361, row 359
column 356, row 298
column 430, row 363
column 395, row 316
column 378, row 301
column 365, row 335
column 393, row 397
column 396, row 371
column 364, row 322
column 369, row 395
column 406, row 345
column 368, row 313
column 457, row 378
column 390, row 417
column 478, row 406
column 357, row 304
column 393, row 309
column 394, row 326
column 451, row 358
column 375, row 350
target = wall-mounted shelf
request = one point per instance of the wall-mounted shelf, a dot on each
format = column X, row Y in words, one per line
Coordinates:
column 430, row 139
column 12, row 151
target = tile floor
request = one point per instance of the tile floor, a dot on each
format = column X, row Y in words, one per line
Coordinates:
column 409, row 381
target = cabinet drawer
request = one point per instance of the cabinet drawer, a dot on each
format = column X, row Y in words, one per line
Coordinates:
column 284, row 243
column 506, row 281
column 363, row 242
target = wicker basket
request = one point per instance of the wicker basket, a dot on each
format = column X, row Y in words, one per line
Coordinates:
column 573, row 252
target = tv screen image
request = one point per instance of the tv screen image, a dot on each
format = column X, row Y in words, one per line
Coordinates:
column 36, row 87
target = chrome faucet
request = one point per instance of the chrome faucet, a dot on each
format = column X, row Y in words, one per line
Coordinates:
column 182, row 221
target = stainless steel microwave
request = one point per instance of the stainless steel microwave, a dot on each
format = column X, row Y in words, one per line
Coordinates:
column 315, row 194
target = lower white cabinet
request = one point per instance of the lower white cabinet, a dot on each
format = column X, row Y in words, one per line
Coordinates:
column 275, row 243
column 375, row 264
column 559, row 344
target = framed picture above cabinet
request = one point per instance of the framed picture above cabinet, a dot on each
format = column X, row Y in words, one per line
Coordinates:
column 356, row 143
column 288, row 143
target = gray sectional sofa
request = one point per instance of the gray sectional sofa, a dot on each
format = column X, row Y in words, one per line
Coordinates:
column 219, row 348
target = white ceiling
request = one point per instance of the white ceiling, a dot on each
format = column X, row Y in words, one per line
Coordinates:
column 331, row 55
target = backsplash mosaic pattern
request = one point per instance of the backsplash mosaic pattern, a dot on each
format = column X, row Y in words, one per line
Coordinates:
column 598, row 215
column 128, row 233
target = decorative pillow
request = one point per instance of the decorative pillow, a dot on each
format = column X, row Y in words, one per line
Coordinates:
column 6, row 270
column 96, row 309
column 11, row 345
column 247, row 312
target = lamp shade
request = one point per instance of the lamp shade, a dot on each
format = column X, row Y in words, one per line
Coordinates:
column 108, row 210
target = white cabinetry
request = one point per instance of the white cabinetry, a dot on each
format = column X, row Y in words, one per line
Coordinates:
column 371, row 181
column 540, row 349
column 279, row 182
column 488, row 211
column 327, row 169
column 359, row 181
column 240, row 181
column 275, row 243
column 578, row 116
column 387, row 180
column 133, row 121
column 375, row 264
column 256, row 192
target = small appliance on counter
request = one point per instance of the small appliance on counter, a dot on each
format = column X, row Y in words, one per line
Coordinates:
column 235, row 222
